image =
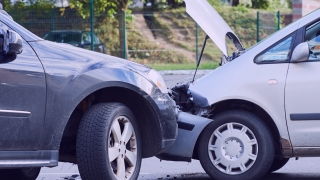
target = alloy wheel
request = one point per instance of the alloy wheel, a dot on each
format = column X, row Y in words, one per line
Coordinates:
column 122, row 149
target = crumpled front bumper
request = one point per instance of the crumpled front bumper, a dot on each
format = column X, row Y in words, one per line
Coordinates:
column 167, row 115
column 190, row 128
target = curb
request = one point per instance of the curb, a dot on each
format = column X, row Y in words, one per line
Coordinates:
column 183, row 72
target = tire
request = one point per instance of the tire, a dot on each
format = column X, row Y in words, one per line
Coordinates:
column 102, row 152
column 241, row 146
column 278, row 164
column 21, row 174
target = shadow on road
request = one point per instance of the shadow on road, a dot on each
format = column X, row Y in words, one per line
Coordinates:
column 272, row 176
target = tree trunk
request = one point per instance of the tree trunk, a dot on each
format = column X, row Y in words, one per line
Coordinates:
column 122, row 35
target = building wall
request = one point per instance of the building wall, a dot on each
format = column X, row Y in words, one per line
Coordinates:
column 137, row 4
column 304, row 7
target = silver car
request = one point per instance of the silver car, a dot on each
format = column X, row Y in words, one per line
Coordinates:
column 257, row 110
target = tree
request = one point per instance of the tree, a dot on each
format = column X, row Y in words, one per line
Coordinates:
column 261, row 4
column 267, row 4
column 174, row 3
column 27, row 4
column 115, row 8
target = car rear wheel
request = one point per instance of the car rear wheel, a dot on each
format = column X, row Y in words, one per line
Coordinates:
column 109, row 143
column 236, row 145
column 278, row 164
column 23, row 174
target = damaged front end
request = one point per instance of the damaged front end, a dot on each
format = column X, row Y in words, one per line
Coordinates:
column 185, row 101
column 191, row 122
column 195, row 111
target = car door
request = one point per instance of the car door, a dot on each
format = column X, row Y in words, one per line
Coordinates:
column 22, row 99
column 302, row 93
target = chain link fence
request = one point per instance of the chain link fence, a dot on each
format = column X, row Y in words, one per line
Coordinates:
column 151, row 37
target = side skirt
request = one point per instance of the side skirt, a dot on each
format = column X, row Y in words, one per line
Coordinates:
column 306, row 151
column 21, row 159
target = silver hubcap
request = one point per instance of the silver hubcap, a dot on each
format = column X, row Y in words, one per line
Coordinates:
column 233, row 148
column 122, row 150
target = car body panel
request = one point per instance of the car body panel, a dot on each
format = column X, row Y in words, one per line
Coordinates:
column 300, row 99
column 73, row 76
column 242, row 86
column 217, row 29
column 55, row 79
column 242, row 79
column 22, row 78
column 302, row 96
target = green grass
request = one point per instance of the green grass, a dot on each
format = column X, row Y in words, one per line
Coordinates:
column 185, row 66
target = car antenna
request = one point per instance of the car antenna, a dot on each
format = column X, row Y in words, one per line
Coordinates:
column 201, row 53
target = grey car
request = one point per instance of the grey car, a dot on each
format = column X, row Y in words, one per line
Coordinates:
column 259, row 108
column 77, row 38
column 68, row 104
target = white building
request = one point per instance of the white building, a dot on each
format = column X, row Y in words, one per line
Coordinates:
column 136, row 4
column 303, row 7
column 61, row 3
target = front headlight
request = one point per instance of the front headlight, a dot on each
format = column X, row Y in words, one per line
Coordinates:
column 157, row 79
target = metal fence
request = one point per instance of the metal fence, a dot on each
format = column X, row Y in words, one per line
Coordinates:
column 152, row 37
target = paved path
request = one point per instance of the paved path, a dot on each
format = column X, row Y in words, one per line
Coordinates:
column 153, row 169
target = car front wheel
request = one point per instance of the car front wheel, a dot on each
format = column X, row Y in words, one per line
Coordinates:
column 236, row 145
column 108, row 143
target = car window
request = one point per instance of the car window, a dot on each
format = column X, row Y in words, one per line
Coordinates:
column 279, row 52
column 63, row 37
column 95, row 39
column 86, row 37
column 312, row 36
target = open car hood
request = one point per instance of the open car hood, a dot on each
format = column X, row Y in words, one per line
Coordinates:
column 212, row 23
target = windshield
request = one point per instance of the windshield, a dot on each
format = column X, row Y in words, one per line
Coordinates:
column 64, row 37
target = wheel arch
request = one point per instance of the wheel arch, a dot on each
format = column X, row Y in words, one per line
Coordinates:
column 131, row 96
column 245, row 105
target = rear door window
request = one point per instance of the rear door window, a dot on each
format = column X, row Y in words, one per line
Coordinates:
column 86, row 37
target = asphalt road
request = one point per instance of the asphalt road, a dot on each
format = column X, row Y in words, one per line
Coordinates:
column 153, row 169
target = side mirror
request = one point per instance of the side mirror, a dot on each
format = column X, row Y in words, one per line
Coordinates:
column 10, row 42
column 301, row 53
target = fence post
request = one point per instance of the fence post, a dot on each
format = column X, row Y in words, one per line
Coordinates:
column 91, row 23
column 52, row 20
column 258, row 26
column 197, row 42
column 125, row 35
column 278, row 16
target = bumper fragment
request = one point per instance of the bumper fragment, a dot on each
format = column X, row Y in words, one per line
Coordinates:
column 190, row 127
